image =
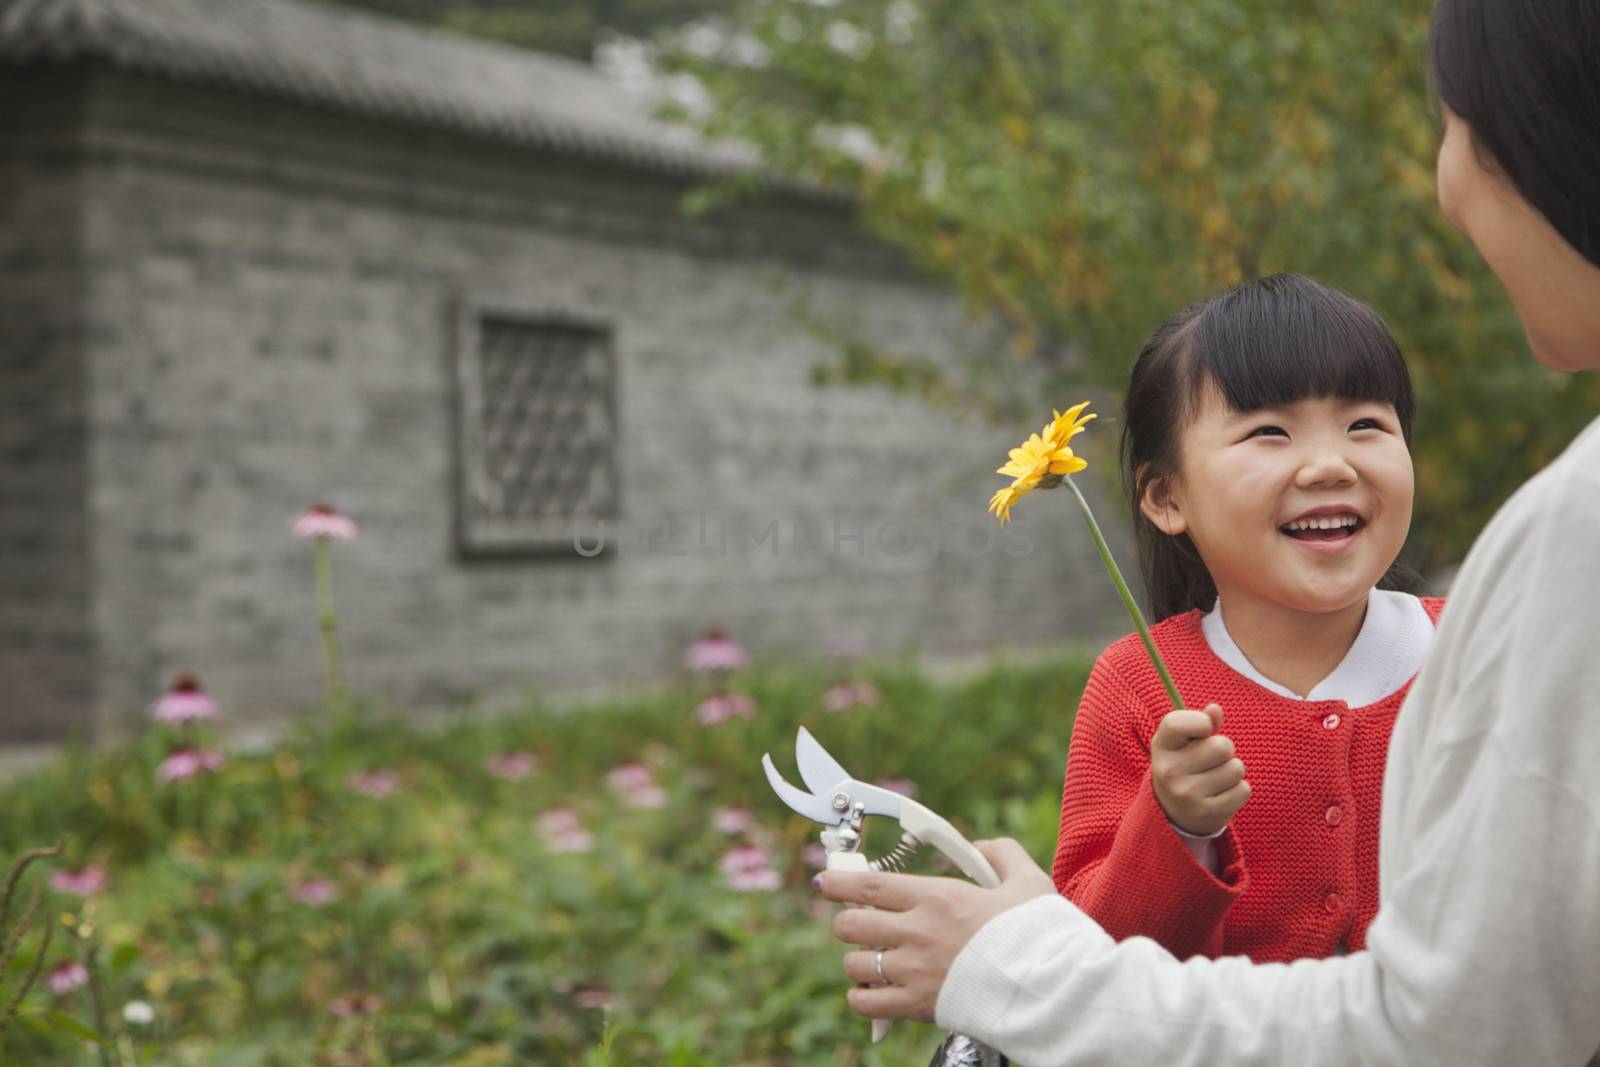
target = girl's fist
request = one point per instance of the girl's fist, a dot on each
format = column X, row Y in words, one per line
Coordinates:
column 1198, row 780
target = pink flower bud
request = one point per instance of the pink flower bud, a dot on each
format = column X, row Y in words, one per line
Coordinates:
column 714, row 651
column 323, row 520
column 184, row 701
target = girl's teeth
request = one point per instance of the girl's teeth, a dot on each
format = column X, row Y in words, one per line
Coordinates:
column 1323, row 523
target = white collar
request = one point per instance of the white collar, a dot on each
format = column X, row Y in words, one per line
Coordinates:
column 1388, row 652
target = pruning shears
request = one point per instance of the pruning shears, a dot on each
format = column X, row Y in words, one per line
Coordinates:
column 842, row 804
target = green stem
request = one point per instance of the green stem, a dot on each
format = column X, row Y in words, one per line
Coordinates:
column 97, row 1007
column 322, row 555
column 1128, row 600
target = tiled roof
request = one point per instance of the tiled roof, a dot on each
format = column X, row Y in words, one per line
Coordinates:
column 360, row 63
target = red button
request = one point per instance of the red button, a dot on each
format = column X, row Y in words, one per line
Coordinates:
column 1332, row 816
column 1331, row 903
column 1331, row 722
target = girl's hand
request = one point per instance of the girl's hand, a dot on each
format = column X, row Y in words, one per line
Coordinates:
column 1199, row 781
column 920, row 924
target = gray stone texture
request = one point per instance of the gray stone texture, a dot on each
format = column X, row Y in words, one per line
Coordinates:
column 217, row 309
column 46, row 687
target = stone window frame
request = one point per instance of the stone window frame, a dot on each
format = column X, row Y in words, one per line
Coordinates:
column 480, row 535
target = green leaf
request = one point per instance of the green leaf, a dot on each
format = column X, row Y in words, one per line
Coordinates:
column 124, row 956
column 74, row 1027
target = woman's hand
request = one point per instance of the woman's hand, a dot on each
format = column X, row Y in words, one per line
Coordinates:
column 1198, row 780
column 921, row 924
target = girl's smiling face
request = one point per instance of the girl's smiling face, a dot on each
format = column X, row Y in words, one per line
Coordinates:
column 1303, row 505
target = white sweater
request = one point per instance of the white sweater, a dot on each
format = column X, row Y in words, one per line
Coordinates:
column 1486, row 947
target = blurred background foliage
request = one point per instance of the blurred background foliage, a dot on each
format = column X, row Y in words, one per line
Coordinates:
column 589, row 901
column 572, row 28
column 1080, row 170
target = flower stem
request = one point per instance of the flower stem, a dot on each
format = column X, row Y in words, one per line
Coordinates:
column 1128, row 600
column 322, row 556
column 97, row 1007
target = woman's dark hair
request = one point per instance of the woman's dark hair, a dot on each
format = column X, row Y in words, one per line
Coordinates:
column 1267, row 342
column 1525, row 75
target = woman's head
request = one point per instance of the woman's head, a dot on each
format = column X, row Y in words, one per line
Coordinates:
column 1276, row 405
column 1519, row 81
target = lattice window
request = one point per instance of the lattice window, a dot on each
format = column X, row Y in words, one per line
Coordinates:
column 538, row 430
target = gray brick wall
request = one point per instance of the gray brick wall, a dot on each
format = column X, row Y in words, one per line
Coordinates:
column 46, row 690
column 269, row 295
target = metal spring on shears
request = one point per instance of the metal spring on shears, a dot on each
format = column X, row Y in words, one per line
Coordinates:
column 897, row 858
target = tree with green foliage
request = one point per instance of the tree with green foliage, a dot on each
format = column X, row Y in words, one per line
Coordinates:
column 573, row 28
column 1080, row 170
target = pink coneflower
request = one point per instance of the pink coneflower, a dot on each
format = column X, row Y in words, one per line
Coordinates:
column 595, row 997
column 714, row 651
column 379, row 783
column 563, row 832
column 651, row 798
column 898, row 785
column 743, row 858
column 188, row 762
column 815, row 855
column 847, row 695
column 635, row 783
column 720, row 707
column 626, row 777
column 67, row 977
column 754, row 880
column 323, row 520
column 87, row 882
column 559, row 821
column 511, row 766
column 184, row 701
column 315, row 891
column 574, row 841
column 748, row 869
column 731, row 820
column 350, row 1007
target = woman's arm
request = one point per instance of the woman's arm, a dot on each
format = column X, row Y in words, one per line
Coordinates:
column 1489, row 956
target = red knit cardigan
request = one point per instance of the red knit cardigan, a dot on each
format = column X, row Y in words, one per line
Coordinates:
column 1298, row 863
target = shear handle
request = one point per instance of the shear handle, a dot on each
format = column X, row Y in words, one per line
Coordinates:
column 933, row 830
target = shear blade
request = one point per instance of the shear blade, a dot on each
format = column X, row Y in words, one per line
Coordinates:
column 826, row 778
column 813, row 807
column 819, row 771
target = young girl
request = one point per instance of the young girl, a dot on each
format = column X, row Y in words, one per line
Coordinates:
column 1486, row 950
column 1266, row 441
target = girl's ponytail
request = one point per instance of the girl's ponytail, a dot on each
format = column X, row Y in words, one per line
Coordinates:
column 1153, row 416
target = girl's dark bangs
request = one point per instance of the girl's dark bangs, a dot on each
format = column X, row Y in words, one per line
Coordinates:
column 1286, row 338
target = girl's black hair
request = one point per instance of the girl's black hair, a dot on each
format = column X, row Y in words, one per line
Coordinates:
column 1267, row 342
column 1525, row 75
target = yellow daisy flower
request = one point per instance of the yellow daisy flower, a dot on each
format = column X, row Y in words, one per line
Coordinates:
column 1066, row 424
column 1041, row 461
column 1000, row 504
column 1046, row 460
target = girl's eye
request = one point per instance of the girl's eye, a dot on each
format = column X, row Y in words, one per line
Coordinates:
column 1366, row 424
column 1267, row 431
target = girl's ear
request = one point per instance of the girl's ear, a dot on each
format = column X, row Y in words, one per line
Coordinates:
column 1160, row 504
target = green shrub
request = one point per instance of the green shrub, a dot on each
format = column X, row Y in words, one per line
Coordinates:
column 486, row 944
